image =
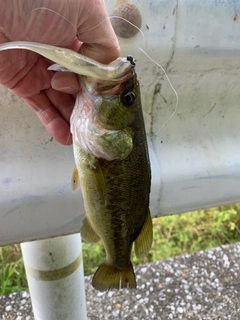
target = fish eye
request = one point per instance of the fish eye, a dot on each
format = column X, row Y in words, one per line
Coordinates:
column 128, row 98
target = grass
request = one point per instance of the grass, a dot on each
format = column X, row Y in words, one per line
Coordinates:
column 12, row 273
column 173, row 235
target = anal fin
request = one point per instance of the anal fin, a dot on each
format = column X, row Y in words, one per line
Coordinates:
column 87, row 232
column 144, row 240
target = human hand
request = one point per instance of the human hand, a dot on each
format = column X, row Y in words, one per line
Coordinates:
column 80, row 25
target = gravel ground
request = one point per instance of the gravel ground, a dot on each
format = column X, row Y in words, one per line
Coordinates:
column 205, row 285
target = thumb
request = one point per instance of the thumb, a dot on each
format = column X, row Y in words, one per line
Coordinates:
column 97, row 35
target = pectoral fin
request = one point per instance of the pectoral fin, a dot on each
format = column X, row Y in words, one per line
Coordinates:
column 118, row 142
column 144, row 240
column 75, row 179
column 100, row 182
column 87, row 232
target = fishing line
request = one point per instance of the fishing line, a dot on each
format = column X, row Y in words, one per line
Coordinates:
column 151, row 59
column 175, row 92
column 143, row 35
column 112, row 17
column 55, row 12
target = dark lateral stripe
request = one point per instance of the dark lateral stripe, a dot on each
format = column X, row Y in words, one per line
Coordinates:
column 57, row 274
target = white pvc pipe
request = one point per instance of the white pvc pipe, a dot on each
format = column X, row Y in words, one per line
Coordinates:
column 54, row 269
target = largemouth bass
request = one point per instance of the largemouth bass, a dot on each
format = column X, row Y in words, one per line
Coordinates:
column 111, row 156
column 113, row 169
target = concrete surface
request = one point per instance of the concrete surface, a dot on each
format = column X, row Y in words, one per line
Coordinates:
column 204, row 285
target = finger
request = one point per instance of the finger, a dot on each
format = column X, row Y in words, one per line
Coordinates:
column 66, row 82
column 56, row 126
column 63, row 102
column 31, row 77
column 100, row 53
column 99, row 40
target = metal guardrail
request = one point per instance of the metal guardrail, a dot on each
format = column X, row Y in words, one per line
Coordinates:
column 195, row 157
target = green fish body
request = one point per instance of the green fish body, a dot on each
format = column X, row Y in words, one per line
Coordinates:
column 113, row 169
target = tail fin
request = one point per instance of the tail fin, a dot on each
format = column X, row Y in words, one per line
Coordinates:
column 108, row 277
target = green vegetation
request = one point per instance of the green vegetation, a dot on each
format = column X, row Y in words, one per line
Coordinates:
column 12, row 273
column 173, row 235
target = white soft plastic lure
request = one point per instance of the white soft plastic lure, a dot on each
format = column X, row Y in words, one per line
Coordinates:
column 69, row 60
